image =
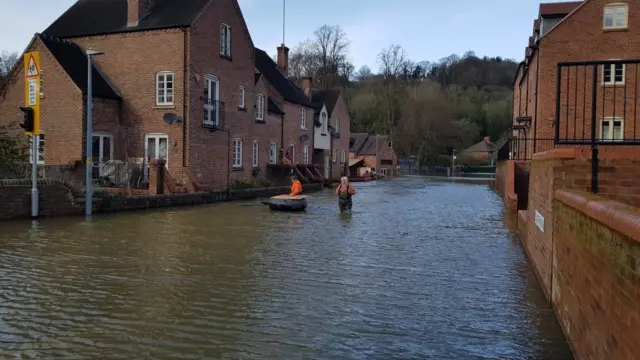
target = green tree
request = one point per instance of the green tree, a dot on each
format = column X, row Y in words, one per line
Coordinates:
column 13, row 155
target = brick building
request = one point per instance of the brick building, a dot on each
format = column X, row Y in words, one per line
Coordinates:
column 332, row 131
column 373, row 152
column 550, row 102
column 177, row 81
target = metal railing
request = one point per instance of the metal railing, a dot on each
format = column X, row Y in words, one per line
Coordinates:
column 523, row 149
column 213, row 114
column 119, row 174
column 597, row 105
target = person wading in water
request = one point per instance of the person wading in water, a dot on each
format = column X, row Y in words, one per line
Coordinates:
column 344, row 192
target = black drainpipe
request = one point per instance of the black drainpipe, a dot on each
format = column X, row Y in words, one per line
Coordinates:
column 282, row 138
column 184, row 99
column 535, row 111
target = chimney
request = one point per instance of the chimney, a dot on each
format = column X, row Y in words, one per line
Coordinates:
column 283, row 59
column 306, row 85
column 136, row 10
column 486, row 139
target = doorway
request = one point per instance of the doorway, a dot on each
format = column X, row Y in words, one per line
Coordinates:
column 102, row 148
column 211, row 101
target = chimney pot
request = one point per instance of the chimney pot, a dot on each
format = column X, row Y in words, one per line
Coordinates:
column 136, row 10
column 306, row 85
column 486, row 139
column 283, row 59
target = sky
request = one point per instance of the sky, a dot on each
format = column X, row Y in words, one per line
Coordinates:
column 427, row 29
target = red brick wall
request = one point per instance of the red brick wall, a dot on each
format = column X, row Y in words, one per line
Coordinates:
column 55, row 199
column 340, row 111
column 61, row 109
column 292, row 130
column 505, row 183
column 596, row 275
column 619, row 179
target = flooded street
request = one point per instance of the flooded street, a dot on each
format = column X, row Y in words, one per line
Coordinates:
column 421, row 270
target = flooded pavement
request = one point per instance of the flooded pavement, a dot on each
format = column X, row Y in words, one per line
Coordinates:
column 420, row 270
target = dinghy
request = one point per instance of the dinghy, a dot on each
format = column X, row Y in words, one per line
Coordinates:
column 288, row 203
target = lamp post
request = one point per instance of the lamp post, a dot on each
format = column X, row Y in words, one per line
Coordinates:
column 89, row 150
column 453, row 162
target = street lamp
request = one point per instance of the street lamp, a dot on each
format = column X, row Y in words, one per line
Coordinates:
column 89, row 151
column 453, row 162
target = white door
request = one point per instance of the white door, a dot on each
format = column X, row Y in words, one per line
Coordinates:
column 157, row 147
column 211, row 101
column 273, row 153
column 102, row 147
column 327, row 162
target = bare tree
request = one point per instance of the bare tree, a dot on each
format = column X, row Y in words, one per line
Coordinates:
column 7, row 61
column 393, row 61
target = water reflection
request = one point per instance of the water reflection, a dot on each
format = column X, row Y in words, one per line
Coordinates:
column 419, row 270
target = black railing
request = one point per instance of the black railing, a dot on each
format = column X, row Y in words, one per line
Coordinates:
column 522, row 149
column 120, row 175
column 213, row 114
column 597, row 105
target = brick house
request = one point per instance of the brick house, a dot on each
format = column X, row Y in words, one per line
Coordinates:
column 184, row 86
column 332, row 131
column 481, row 152
column 368, row 151
column 296, row 141
column 587, row 34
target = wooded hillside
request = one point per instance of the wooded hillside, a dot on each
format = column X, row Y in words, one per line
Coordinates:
column 428, row 108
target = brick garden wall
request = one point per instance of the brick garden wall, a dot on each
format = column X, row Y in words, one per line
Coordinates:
column 596, row 275
column 55, row 199
column 505, row 183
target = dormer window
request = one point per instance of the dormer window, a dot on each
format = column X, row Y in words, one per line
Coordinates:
column 616, row 16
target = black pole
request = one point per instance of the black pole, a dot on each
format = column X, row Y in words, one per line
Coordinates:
column 594, row 144
column 558, row 100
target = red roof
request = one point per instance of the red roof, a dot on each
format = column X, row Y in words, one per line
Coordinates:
column 560, row 8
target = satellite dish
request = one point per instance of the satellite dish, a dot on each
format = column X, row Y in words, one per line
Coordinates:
column 170, row 118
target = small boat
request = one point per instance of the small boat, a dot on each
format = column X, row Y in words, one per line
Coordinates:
column 288, row 202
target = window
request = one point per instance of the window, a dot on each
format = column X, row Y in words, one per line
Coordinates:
column 102, row 149
column 612, row 129
column 260, row 107
column 41, row 85
column 237, row 153
column 343, row 156
column 334, row 155
column 225, row 40
column 615, row 16
column 164, row 88
column 211, row 103
column 273, row 153
column 386, row 162
column 613, row 74
column 337, row 125
column 40, row 149
column 389, row 145
column 305, row 154
column 156, row 147
column 256, row 151
column 323, row 124
column 303, row 118
column 241, row 101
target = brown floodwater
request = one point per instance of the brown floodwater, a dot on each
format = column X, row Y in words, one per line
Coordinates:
column 422, row 269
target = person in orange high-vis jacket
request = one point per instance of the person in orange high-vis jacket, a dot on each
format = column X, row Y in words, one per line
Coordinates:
column 296, row 186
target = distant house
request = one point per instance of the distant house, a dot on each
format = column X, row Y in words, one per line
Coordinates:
column 481, row 152
column 372, row 152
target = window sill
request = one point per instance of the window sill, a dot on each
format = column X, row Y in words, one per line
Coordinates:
column 168, row 106
column 226, row 57
column 237, row 168
column 242, row 108
column 323, row 134
column 303, row 128
column 612, row 84
column 260, row 121
column 615, row 29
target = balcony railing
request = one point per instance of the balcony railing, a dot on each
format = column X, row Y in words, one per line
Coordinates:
column 522, row 149
column 213, row 114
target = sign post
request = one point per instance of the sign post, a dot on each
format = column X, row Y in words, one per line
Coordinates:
column 32, row 100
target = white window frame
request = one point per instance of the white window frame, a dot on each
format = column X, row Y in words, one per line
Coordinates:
column 334, row 155
column 41, row 144
column 337, row 125
column 343, row 156
column 237, row 153
column 611, row 120
column 162, row 90
column 612, row 74
column 255, row 160
column 305, row 154
column 260, row 107
column 390, row 145
column 212, row 101
column 293, row 154
column 156, row 136
column 614, row 7
column 303, row 118
column 273, row 153
column 41, row 89
column 241, row 101
column 225, row 40
column 323, row 123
